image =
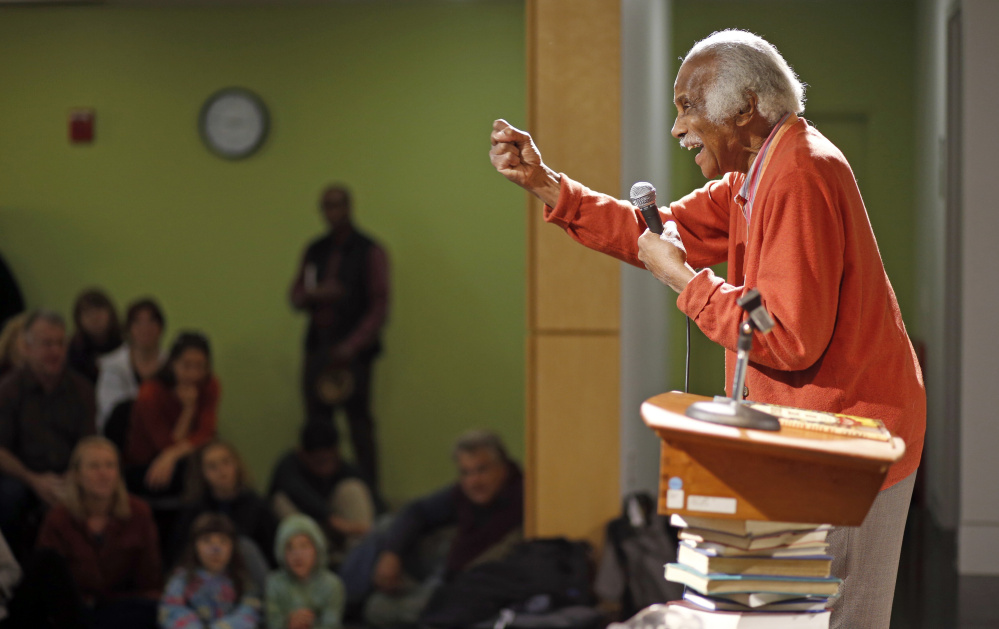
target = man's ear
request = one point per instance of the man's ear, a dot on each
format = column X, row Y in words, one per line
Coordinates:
column 747, row 111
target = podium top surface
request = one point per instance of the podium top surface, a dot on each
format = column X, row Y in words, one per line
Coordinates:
column 664, row 413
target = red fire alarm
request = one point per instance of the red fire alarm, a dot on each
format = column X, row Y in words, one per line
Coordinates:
column 81, row 126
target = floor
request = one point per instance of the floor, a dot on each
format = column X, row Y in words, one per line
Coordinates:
column 929, row 594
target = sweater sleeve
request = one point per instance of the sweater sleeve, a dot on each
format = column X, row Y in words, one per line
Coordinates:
column 598, row 221
column 613, row 226
column 207, row 426
column 174, row 612
column 702, row 219
column 289, row 479
column 420, row 517
column 800, row 269
column 150, row 430
column 366, row 332
column 276, row 605
column 149, row 571
column 331, row 614
column 245, row 615
column 50, row 535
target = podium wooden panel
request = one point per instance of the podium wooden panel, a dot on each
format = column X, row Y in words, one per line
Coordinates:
column 791, row 475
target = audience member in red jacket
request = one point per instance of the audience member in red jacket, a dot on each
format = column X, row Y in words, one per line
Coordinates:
column 174, row 414
column 107, row 538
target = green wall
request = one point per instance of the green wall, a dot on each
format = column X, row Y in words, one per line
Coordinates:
column 857, row 58
column 394, row 98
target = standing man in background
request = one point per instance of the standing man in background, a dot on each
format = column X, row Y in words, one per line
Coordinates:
column 343, row 283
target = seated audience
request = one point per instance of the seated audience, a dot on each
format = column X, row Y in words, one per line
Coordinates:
column 174, row 413
column 313, row 480
column 45, row 409
column 12, row 344
column 97, row 332
column 211, row 587
column 303, row 594
column 218, row 484
column 138, row 359
column 108, row 539
column 486, row 507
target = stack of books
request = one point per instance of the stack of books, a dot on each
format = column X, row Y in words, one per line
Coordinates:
column 747, row 574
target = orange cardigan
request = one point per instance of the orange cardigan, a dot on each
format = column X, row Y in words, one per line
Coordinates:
column 155, row 413
column 839, row 343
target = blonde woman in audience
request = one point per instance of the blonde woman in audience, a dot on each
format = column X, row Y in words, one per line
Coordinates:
column 12, row 344
column 219, row 483
column 108, row 539
column 174, row 414
column 97, row 332
column 138, row 359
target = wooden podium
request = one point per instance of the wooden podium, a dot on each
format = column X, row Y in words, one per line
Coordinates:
column 791, row 475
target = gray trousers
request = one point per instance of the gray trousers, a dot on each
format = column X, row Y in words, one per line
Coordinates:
column 866, row 558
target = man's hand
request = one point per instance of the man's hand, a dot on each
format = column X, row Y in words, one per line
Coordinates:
column 301, row 619
column 388, row 572
column 517, row 158
column 48, row 487
column 348, row 527
column 664, row 255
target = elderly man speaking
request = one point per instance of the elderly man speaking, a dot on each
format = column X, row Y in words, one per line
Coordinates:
column 783, row 209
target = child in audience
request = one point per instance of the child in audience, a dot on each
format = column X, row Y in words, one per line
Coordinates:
column 97, row 332
column 303, row 594
column 210, row 587
column 174, row 413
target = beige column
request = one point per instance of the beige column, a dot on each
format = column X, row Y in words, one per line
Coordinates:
column 574, row 68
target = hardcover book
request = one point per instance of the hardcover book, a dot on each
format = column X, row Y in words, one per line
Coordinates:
column 725, row 583
column 810, row 566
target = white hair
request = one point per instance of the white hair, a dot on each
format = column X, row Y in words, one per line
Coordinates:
column 747, row 62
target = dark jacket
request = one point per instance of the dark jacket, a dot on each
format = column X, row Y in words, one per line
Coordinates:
column 251, row 514
column 123, row 562
column 479, row 527
column 41, row 427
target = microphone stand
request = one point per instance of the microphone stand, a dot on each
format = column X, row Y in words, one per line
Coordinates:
column 734, row 411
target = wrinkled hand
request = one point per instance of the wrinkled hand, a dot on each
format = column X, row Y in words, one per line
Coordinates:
column 301, row 619
column 388, row 572
column 665, row 256
column 48, row 487
column 517, row 158
column 160, row 471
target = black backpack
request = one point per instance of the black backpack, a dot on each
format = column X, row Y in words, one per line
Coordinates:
column 639, row 544
column 537, row 577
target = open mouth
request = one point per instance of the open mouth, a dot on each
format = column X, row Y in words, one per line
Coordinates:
column 691, row 142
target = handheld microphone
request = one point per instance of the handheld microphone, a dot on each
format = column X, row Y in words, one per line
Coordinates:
column 643, row 196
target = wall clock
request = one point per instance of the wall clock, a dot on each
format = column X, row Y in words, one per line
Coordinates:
column 233, row 122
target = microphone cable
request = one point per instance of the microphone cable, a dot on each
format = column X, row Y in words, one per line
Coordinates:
column 686, row 370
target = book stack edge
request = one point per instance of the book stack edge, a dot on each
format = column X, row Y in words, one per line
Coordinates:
column 748, row 574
